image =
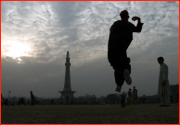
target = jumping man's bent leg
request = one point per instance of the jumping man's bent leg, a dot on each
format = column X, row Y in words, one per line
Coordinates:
column 119, row 78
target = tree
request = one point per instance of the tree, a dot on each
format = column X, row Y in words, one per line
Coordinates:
column 111, row 98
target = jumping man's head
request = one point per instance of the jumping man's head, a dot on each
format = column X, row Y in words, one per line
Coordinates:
column 124, row 15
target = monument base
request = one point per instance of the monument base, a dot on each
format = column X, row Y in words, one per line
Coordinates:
column 67, row 96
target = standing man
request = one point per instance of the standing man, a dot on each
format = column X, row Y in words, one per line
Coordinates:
column 121, row 35
column 135, row 96
column 32, row 98
column 123, row 98
column 163, row 87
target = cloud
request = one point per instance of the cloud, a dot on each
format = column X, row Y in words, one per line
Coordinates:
column 51, row 28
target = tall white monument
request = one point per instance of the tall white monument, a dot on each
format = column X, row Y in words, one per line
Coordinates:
column 67, row 93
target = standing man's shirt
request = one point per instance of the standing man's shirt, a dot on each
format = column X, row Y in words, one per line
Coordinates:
column 134, row 92
column 163, row 76
column 32, row 97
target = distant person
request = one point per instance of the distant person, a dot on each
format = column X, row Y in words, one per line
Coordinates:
column 21, row 101
column 129, row 96
column 6, row 101
column 52, row 101
column 121, row 35
column 123, row 98
column 2, row 100
column 135, row 96
column 163, row 87
column 32, row 98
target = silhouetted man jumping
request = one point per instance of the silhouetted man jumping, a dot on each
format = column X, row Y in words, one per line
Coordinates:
column 121, row 35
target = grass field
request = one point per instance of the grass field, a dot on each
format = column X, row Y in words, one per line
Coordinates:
column 90, row 114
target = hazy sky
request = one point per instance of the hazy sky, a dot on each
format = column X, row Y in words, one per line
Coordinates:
column 35, row 37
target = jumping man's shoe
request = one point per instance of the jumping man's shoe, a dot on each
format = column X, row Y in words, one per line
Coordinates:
column 127, row 77
column 118, row 88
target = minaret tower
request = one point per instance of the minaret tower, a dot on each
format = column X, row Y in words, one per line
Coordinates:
column 67, row 82
column 67, row 94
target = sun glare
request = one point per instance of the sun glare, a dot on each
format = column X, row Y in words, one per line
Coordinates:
column 17, row 50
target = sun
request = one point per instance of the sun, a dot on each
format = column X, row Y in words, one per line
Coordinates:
column 17, row 50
